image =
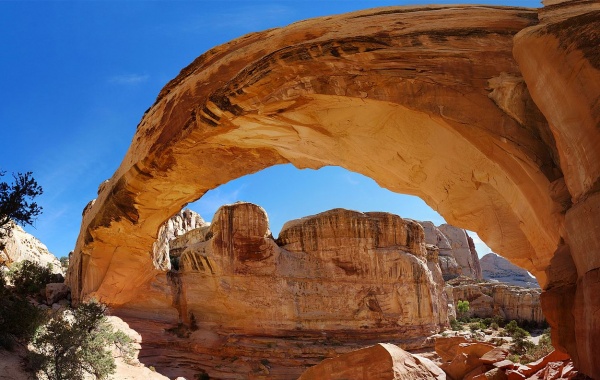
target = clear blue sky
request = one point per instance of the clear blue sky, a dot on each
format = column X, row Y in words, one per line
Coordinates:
column 77, row 76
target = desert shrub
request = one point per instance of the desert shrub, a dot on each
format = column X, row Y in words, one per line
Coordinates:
column 520, row 343
column 474, row 326
column 75, row 343
column 18, row 318
column 29, row 278
column 462, row 307
column 494, row 326
column 455, row 325
column 511, row 327
column 535, row 352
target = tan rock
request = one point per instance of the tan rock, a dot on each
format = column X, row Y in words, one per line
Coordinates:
column 56, row 292
column 447, row 347
column 463, row 250
column 380, row 362
column 20, row 246
column 494, row 299
column 496, row 355
column 427, row 101
column 461, row 365
column 478, row 349
column 497, row 268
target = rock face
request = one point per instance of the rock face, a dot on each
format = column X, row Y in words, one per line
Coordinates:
column 457, row 254
column 21, row 246
column 497, row 268
column 178, row 224
column 491, row 299
column 487, row 113
column 380, row 362
column 342, row 276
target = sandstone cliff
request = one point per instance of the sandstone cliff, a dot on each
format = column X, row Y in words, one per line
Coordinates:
column 493, row 299
column 497, row 268
column 456, row 250
column 21, row 246
column 487, row 113
column 330, row 283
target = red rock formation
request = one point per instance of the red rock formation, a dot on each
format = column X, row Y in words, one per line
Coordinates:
column 427, row 101
column 342, row 277
column 380, row 362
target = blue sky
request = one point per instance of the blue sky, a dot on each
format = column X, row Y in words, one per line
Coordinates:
column 77, row 76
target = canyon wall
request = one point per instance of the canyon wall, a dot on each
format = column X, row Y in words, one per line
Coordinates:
column 333, row 281
column 489, row 114
column 497, row 268
column 20, row 246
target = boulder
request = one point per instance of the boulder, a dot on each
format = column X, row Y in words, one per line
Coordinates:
column 379, row 362
column 56, row 292
column 478, row 349
column 461, row 365
column 496, row 355
column 447, row 347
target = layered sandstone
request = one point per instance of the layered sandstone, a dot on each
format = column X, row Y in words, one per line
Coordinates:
column 489, row 299
column 20, row 246
column 497, row 268
column 342, row 278
column 380, row 362
column 456, row 250
column 428, row 101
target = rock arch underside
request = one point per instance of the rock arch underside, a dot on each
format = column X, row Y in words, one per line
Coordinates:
column 489, row 114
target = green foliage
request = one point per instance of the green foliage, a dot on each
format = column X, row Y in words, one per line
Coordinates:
column 462, row 307
column 474, row 326
column 19, row 319
column 64, row 263
column 75, row 343
column 29, row 278
column 456, row 325
column 494, row 326
column 16, row 201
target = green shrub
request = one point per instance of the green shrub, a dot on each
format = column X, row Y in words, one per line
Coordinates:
column 455, row 325
column 494, row 326
column 75, row 343
column 29, row 278
column 19, row 319
column 462, row 307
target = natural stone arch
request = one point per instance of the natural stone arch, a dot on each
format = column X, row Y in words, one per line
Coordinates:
column 426, row 101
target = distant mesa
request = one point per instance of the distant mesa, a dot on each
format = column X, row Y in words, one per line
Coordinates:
column 496, row 268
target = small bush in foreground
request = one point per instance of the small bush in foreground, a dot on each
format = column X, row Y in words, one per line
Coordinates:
column 75, row 343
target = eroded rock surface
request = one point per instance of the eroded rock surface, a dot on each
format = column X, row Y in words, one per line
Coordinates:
column 487, row 113
column 457, row 254
column 329, row 284
column 20, row 246
column 379, row 362
column 497, row 268
column 487, row 300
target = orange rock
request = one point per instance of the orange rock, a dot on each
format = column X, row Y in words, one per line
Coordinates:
column 515, row 375
column 504, row 364
column 461, row 365
column 477, row 348
column 476, row 372
column 493, row 374
column 447, row 347
column 482, row 111
column 380, row 362
column 496, row 355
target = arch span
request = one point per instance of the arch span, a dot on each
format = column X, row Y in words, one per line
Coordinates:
column 426, row 101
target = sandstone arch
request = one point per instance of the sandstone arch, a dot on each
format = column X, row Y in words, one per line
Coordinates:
column 426, row 101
